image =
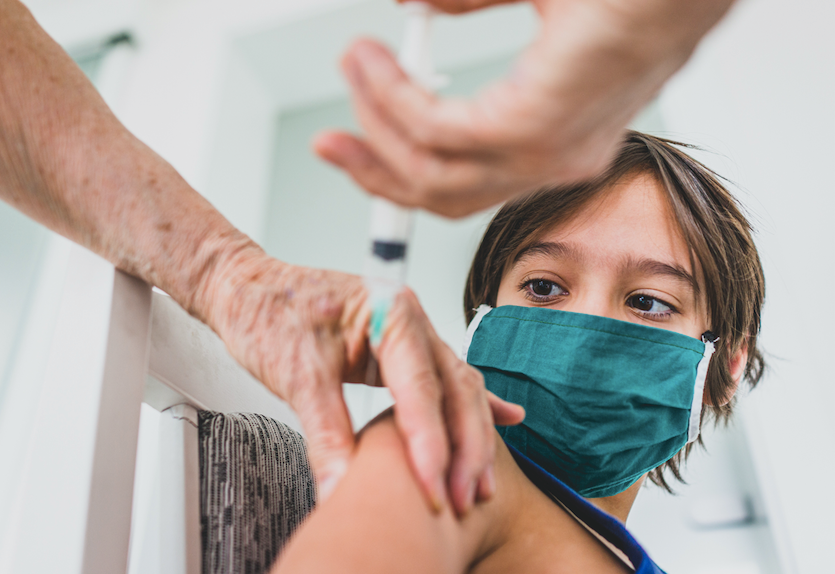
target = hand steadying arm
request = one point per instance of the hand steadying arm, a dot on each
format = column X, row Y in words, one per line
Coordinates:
column 66, row 161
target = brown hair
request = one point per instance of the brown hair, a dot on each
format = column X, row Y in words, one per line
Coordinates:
column 712, row 225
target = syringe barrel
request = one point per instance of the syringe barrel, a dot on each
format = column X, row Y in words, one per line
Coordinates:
column 391, row 226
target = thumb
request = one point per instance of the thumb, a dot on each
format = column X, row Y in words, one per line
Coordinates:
column 504, row 413
column 330, row 438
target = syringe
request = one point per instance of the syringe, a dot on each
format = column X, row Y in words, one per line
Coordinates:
column 391, row 225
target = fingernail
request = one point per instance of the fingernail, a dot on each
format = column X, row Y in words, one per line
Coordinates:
column 471, row 495
column 469, row 499
column 366, row 52
column 437, row 496
column 373, row 59
column 490, row 481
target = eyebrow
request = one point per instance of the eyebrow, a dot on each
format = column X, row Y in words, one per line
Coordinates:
column 655, row 267
column 645, row 266
column 551, row 249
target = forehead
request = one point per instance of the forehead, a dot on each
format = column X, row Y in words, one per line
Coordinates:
column 633, row 219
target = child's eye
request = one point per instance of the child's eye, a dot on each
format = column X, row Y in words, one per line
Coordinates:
column 541, row 289
column 650, row 305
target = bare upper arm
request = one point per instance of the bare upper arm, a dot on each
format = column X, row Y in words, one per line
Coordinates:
column 377, row 519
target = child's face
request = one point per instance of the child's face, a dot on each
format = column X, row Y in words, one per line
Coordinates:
column 622, row 256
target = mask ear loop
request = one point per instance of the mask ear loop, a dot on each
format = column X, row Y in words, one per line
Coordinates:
column 471, row 329
column 709, row 339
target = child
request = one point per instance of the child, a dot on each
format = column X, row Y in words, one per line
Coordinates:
column 598, row 307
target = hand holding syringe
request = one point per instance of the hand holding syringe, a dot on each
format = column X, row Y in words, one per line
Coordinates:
column 448, row 391
column 391, row 224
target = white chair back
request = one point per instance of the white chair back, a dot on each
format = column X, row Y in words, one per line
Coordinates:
column 117, row 344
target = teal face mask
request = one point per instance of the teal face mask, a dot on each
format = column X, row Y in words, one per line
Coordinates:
column 606, row 400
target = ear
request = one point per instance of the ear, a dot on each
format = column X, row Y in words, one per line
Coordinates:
column 736, row 367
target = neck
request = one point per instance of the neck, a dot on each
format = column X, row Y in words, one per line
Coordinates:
column 619, row 504
column 523, row 529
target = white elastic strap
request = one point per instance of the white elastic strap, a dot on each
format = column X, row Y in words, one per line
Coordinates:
column 698, row 391
column 471, row 329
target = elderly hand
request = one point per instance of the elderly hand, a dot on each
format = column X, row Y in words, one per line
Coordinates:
column 556, row 119
column 302, row 332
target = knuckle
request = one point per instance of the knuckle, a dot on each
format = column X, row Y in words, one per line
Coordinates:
column 469, row 381
column 424, row 132
column 428, row 386
column 416, row 162
column 449, row 188
column 432, row 196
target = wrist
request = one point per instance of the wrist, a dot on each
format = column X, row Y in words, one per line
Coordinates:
column 643, row 32
column 228, row 262
column 654, row 30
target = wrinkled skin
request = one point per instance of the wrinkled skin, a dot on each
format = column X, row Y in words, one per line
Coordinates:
column 68, row 163
column 557, row 118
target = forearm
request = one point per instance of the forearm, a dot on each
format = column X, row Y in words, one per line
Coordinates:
column 66, row 161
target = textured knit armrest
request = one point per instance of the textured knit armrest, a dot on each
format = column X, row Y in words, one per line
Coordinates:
column 256, row 488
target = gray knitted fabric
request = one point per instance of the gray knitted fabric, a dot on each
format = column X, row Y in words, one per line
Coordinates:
column 256, row 487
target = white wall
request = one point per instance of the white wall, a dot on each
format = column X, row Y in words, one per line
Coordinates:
column 759, row 95
column 23, row 243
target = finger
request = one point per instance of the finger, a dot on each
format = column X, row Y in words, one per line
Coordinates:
column 487, row 484
column 382, row 163
column 405, row 161
column 470, row 427
column 319, row 403
column 330, row 437
column 432, row 174
column 363, row 165
column 383, row 134
column 395, row 156
column 408, row 368
column 385, row 161
column 378, row 81
column 505, row 414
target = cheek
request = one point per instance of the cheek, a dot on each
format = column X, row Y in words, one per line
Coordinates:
column 508, row 294
column 693, row 329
